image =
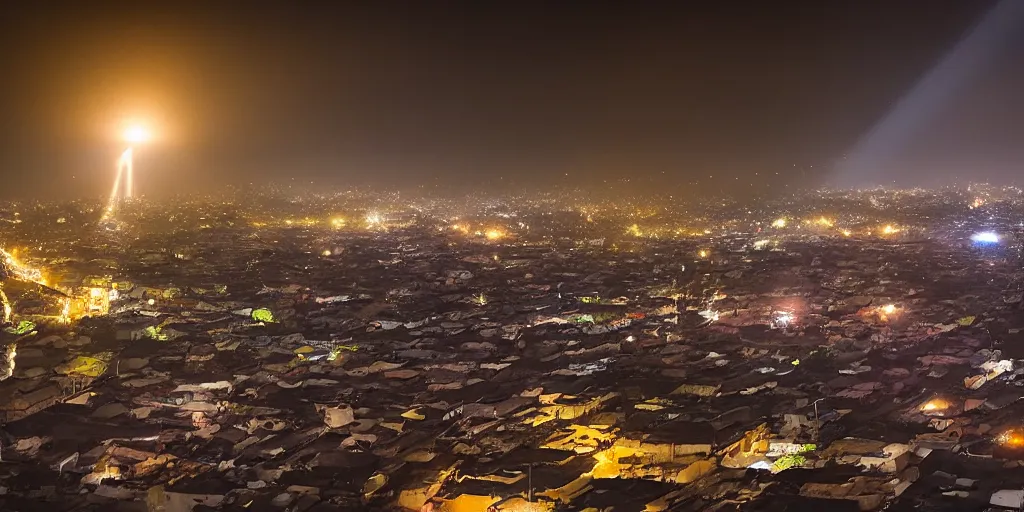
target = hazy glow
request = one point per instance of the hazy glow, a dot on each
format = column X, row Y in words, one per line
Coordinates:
column 137, row 134
column 889, row 229
column 493, row 234
column 985, row 237
column 779, row 223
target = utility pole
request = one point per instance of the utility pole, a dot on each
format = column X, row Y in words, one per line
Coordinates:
column 816, row 418
column 529, row 492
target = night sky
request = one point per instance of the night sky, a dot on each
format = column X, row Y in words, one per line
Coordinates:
column 504, row 95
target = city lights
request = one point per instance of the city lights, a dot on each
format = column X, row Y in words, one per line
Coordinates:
column 708, row 274
column 374, row 219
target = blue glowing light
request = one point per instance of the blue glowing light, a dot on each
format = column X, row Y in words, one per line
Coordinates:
column 985, row 237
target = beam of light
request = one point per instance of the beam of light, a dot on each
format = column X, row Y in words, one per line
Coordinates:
column 108, row 211
column 129, row 186
column 879, row 145
column 124, row 169
column 985, row 238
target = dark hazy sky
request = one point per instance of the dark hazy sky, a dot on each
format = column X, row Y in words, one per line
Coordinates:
column 480, row 93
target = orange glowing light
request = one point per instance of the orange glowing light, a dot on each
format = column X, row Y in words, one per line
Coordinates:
column 137, row 134
column 1013, row 438
column 935, row 405
column 888, row 312
column 494, row 234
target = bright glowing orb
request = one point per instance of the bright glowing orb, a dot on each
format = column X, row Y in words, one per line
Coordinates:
column 137, row 134
column 985, row 237
column 779, row 223
column 494, row 234
column 888, row 312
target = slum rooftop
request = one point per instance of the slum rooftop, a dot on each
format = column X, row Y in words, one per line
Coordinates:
column 857, row 351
